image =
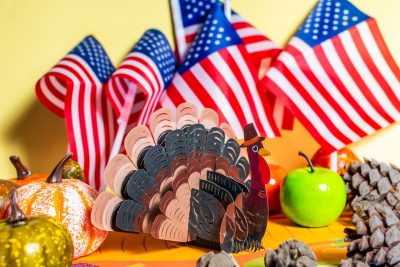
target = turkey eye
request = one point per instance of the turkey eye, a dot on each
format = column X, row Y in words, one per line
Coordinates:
column 255, row 149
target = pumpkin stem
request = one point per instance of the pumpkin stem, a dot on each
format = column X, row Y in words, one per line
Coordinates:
column 56, row 175
column 22, row 171
column 16, row 214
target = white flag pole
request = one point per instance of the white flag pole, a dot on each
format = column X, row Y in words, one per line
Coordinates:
column 227, row 9
column 334, row 161
column 123, row 119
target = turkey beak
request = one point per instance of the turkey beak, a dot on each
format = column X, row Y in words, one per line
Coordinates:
column 263, row 152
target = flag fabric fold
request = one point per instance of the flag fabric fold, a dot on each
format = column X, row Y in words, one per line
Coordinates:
column 188, row 17
column 73, row 89
column 218, row 73
column 337, row 76
column 143, row 74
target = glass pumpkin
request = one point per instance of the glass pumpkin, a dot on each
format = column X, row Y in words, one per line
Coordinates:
column 69, row 201
column 72, row 170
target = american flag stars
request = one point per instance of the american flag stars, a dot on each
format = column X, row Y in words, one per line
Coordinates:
column 93, row 53
column 135, row 87
column 196, row 10
column 329, row 18
column 154, row 45
column 216, row 34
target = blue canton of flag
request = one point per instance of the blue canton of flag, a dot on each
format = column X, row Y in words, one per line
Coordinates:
column 196, row 11
column 92, row 52
column 216, row 34
column 154, row 45
column 329, row 18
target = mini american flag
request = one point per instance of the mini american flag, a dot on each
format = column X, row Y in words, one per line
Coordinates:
column 218, row 73
column 188, row 18
column 149, row 67
column 337, row 75
column 73, row 89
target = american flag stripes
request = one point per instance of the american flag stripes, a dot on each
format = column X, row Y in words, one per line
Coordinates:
column 337, row 75
column 73, row 89
column 218, row 73
column 283, row 118
column 149, row 66
column 259, row 47
column 188, row 18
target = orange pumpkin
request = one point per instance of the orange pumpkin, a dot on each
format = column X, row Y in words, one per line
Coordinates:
column 345, row 157
column 68, row 200
column 24, row 175
column 71, row 170
column 278, row 173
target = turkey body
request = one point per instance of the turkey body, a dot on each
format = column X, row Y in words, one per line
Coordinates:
column 183, row 179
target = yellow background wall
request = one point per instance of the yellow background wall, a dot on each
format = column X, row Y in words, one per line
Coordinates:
column 34, row 35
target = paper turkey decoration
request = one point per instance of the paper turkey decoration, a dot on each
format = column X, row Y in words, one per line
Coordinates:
column 184, row 179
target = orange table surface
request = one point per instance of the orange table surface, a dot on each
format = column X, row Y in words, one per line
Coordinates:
column 134, row 250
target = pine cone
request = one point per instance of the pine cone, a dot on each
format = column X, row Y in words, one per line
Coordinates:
column 221, row 259
column 376, row 239
column 291, row 253
column 372, row 182
column 352, row 263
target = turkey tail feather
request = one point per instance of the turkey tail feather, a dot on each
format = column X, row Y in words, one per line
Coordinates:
column 128, row 216
column 206, row 214
column 221, row 194
column 140, row 187
column 225, row 182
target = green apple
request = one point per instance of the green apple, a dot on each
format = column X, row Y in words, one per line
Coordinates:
column 313, row 197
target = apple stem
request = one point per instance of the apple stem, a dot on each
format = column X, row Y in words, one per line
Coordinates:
column 308, row 160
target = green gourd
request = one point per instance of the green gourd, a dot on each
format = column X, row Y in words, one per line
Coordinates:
column 35, row 241
column 72, row 170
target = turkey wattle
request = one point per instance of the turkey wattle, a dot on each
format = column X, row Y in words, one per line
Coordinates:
column 183, row 180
